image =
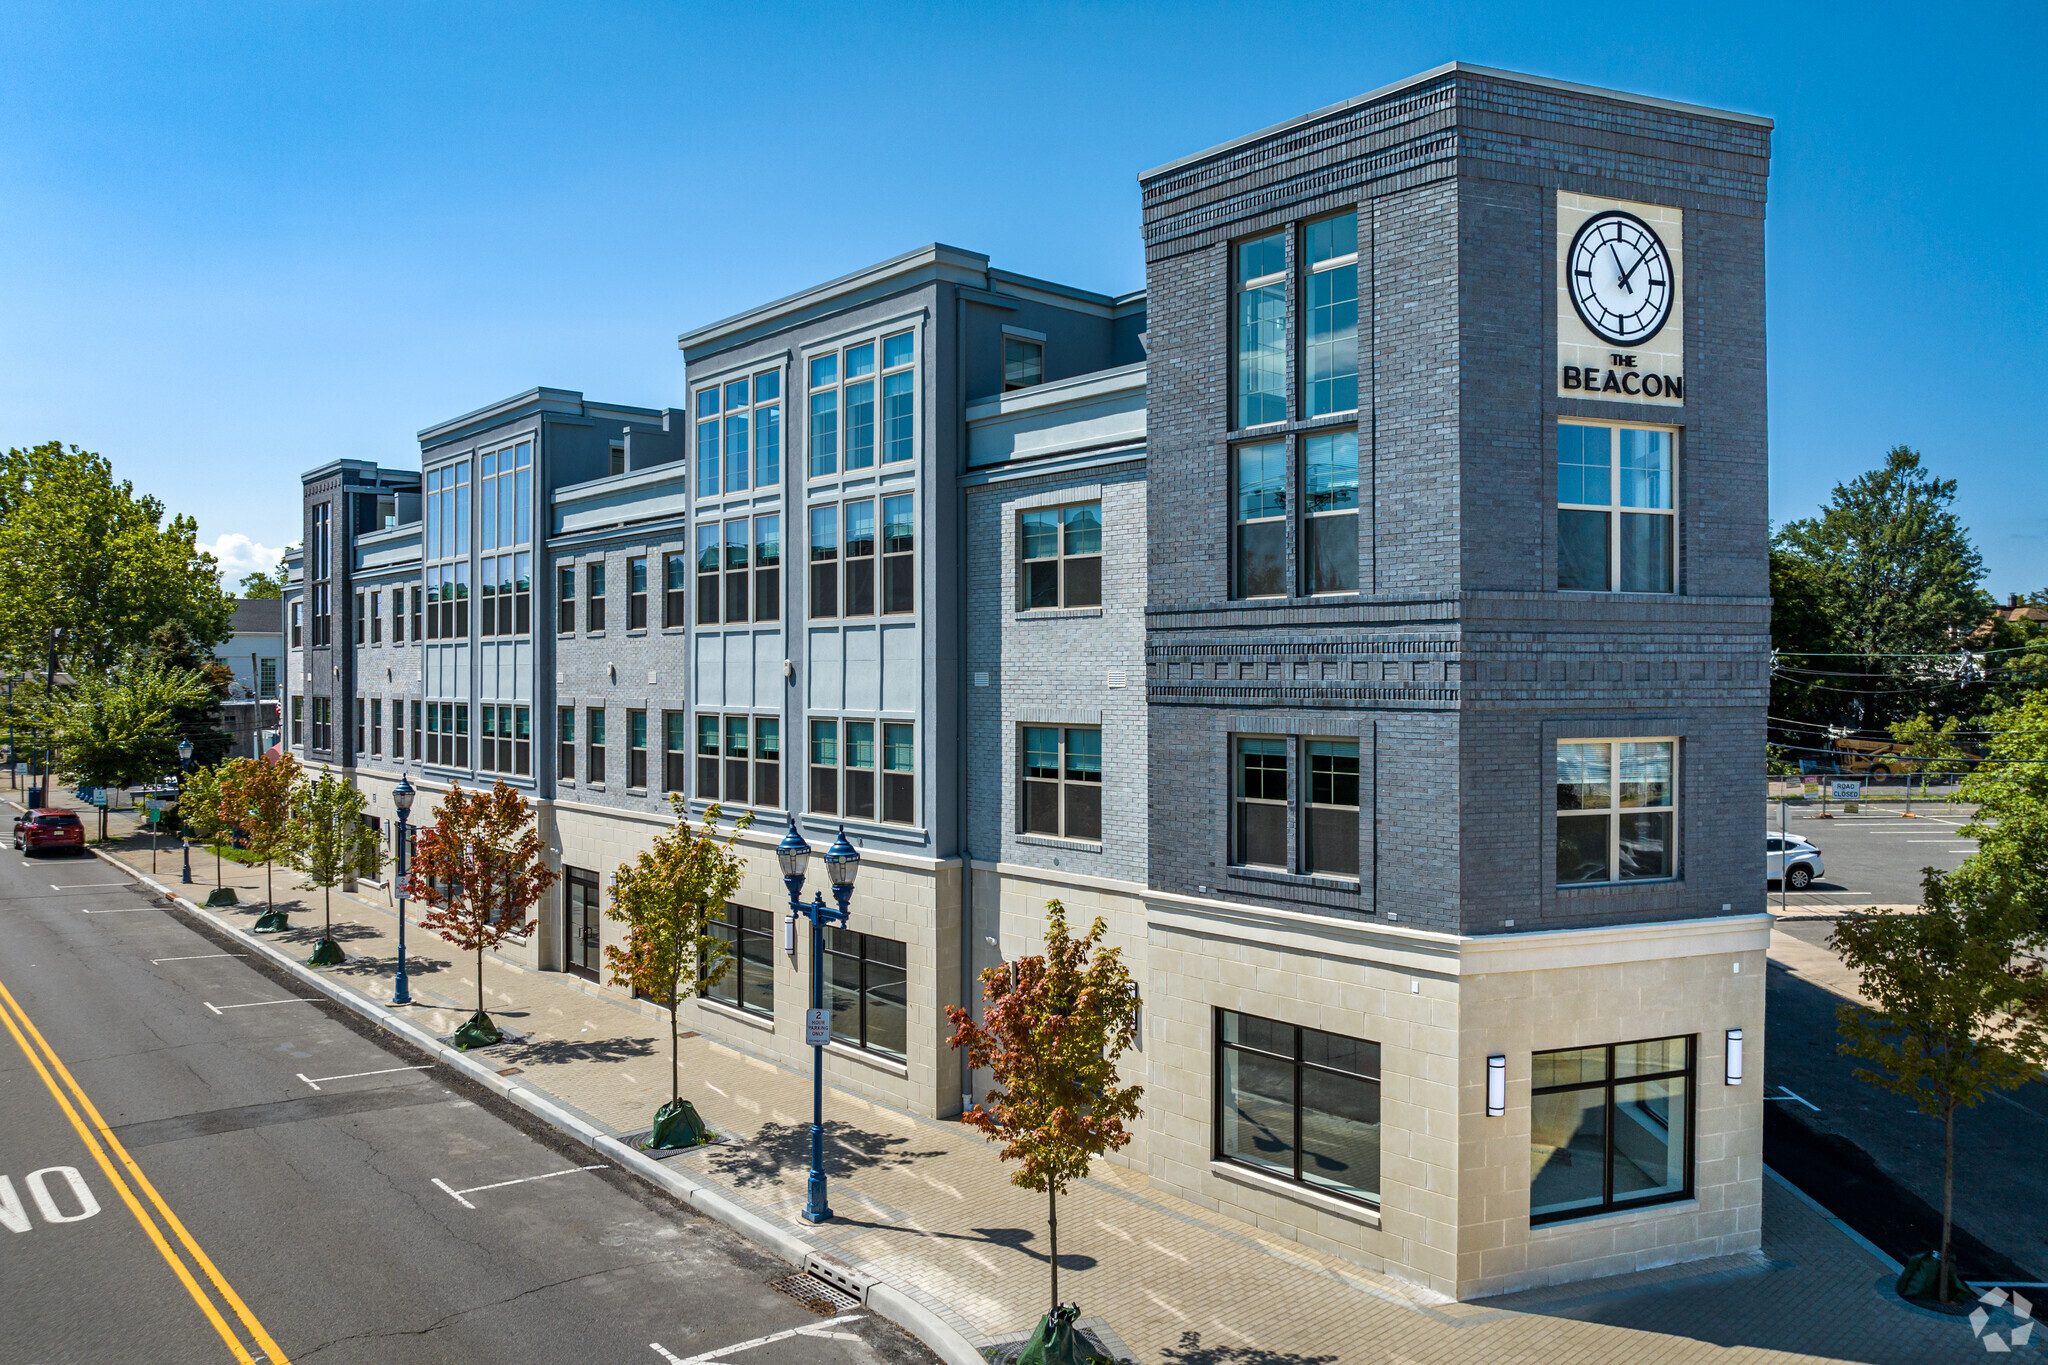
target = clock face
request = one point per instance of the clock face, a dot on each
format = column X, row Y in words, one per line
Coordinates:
column 1620, row 278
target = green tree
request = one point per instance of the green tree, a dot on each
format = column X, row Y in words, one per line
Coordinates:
column 479, row 867
column 259, row 586
column 172, row 645
column 1802, row 637
column 199, row 804
column 258, row 797
column 83, row 553
column 116, row 728
column 1052, row 1032
column 1937, row 747
column 1959, row 1005
column 668, row 898
column 2015, row 658
column 335, row 845
column 1892, row 571
column 2010, row 790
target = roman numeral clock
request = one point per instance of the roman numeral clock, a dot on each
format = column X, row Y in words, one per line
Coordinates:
column 1620, row 278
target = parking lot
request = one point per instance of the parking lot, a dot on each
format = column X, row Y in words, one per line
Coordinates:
column 1873, row 857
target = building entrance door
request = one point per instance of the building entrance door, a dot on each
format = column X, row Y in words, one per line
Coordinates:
column 579, row 922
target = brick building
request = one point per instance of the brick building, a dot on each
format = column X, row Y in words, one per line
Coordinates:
column 1368, row 619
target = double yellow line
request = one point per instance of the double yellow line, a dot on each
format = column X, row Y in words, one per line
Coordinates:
column 127, row 1178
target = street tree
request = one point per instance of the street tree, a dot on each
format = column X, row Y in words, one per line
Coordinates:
column 260, row 586
column 1936, row 746
column 1893, row 573
column 172, row 645
column 1959, row 1009
column 669, row 898
column 2010, row 790
column 116, row 728
column 199, row 816
column 258, row 797
column 1053, row 1029
column 479, row 867
column 84, row 553
column 335, row 845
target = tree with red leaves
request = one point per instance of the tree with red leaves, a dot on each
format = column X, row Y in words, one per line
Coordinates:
column 1052, row 1032
column 480, row 869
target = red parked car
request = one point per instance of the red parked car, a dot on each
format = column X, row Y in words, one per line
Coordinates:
column 45, row 829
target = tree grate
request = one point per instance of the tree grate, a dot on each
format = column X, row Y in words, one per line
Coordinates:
column 814, row 1294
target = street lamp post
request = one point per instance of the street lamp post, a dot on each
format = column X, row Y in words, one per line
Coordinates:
column 402, row 797
column 184, row 766
column 842, row 861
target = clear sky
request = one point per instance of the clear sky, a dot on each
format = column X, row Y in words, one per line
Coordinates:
column 238, row 241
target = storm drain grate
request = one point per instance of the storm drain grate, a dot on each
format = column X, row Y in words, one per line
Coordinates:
column 814, row 1294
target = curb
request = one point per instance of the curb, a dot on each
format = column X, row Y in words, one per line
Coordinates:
column 886, row 1299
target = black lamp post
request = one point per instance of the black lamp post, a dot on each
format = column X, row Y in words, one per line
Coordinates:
column 402, row 797
column 184, row 766
column 842, row 861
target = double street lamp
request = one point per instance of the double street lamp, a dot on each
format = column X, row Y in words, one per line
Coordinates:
column 184, row 766
column 402, row 797
column 842, row 861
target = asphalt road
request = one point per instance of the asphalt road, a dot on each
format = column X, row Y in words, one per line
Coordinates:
column 279, row 1182
column 1874, row 857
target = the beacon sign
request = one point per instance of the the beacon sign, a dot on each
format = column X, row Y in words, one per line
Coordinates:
column 1620, row 301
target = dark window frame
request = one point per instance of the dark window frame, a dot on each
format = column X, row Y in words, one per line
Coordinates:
column 1689, row 1073
column 861, row 1039
column 1301, row 1068
column 737, row 929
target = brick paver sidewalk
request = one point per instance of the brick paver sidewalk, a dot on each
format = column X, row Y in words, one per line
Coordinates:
column 928, row 1207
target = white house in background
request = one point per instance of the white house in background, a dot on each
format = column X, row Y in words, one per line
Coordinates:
column 255, row 651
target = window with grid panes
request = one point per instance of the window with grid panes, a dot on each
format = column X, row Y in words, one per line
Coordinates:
column 1617, row 810
column 1062, row 770
column 565, row 739
column 636, row 593
column 899, row 557
column 675, row 580
column 362, row 725
column 824, row 766
column 1331, row 843
column 1617, row 520
column 1610, row 1127
column 857, row 414
column 1061, row 553
column 768, row 568
column 636, row 749
column 593, row 744
column 710, row 457
column 376, row 618
column 899, row 774
column 739, row 434
column 565, row 605
column 737, row 754
column 749, row 982
column 736, row 570
column 1023, row 363
column 362, row 620
column 767, row 762
column 1261, row 380
column 1260, row 817
column 824, row 561
column 865, row 978
column 593, row 596
column 708, row 555
column 1258, row 495
column 859, row 572
column 418, row 612
column 1329, row 509
column 675, row 751
column 1299, row 1104
column 1329, row 334
column 859, row 759
column 298, row 722
column 899, row 398
column 417, row 750
column 377, row 726
column 708, row 767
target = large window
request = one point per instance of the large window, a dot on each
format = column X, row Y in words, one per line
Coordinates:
column 675, row 751
column 565, row 606
column 1258, row 498
column 739, row 759
column 1259, row 820
column 1061, row 557
column 448, row 734
column 1329, row 506
column 1617, row 524
column 1062, row 782
column 1299, row 1104
column 377, row 726
column 845, row 760
column 593, row 744
column 736, row 570
column 768, row 568
column 298, row 722
column 323, row 723
column 418, row 752
column 1609, row 1127
column 749, row 983
column 675, row 580
column 1331, row 846
column 708, row 540
column 1617, row 810
column 593, row 596
column 1329, row 342
column 1261, row 381
column 636, row 749
column 864, row 989
column 581, row 919
column 847, row 431
column 505, row 490
column 636, row 592
column 565, row 738
column 899, row 558
column 824, row 561
column 739, row 435
column 505, row 739
column 1023, row 363
column 505, row 594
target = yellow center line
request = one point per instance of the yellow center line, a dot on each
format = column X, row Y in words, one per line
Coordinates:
column 17, row 1020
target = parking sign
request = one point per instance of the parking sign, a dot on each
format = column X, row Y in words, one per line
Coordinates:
column 817, row 1028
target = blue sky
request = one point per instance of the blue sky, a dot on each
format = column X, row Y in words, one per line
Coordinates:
column 237, row 241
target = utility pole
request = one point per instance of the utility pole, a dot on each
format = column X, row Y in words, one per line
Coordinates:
column 49, row 693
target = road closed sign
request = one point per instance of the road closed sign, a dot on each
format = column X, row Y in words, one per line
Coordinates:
column 817, row 1027
column 1846, row 789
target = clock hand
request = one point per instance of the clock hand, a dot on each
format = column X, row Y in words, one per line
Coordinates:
column 1629, row 274
column 1621, row 276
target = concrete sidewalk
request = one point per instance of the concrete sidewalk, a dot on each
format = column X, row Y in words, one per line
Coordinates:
column 927, row 1208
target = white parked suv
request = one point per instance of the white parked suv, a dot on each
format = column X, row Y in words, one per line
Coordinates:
column 1794, row 860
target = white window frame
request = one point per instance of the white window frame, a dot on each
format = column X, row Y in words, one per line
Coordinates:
column 1615, row 810
column 1613, row 508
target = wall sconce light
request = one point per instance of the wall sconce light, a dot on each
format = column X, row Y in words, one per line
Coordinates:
column 1496, row 1086
column 1734, row 1068
column 789, row 933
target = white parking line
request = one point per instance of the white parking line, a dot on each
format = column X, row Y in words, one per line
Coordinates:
column 124, row 910
column 194, row 958
column 315, row 1082
column 456, row 1195
column 250, row 1005
column 87, row 886
column 816, row 1329
column 1788, row 1095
